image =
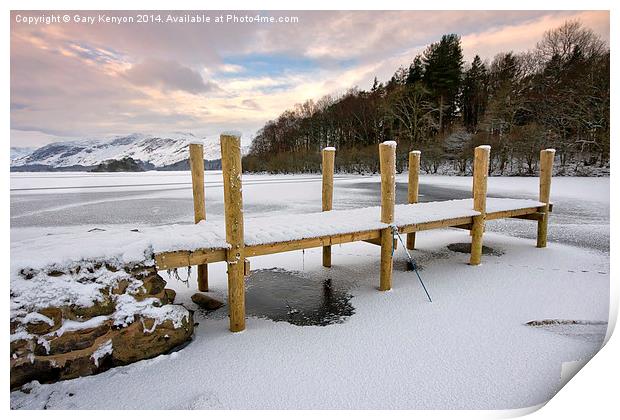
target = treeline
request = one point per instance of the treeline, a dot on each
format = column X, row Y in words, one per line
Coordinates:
column 556, row 95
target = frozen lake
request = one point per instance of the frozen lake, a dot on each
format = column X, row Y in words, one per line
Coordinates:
column 57, row 200
column 485, row 342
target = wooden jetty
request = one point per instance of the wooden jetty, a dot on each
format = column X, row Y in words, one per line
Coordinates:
column 274, row 234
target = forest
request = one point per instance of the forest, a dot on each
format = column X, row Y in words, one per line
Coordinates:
column 554, row 95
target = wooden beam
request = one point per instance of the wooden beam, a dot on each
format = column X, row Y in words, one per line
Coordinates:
column 328, row 157
column 481, row 171
column 378, row 242
column 531, row 216
column 197, row 168
column 177, row 259
column 277, row 247
column 413, row 188
column 387, row 163
column 466, row 226
column 437, row 224
column 233, row 211
column 546, row 172
column 507, row 214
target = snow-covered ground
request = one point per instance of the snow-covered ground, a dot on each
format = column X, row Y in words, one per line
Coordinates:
column 470, row 348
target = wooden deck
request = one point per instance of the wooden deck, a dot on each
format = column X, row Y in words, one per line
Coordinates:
column 408, row 218
column 235, row 240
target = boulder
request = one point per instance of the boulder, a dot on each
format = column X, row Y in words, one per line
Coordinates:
column 55, row 343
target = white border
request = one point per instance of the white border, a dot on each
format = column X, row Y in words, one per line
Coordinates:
column 594, row 390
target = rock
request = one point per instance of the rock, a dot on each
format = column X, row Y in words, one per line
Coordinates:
column 42, row 354
column 42, row 327
column 104, row 307
column 206, row 302
column 136, row 343
column 170, row 295
column 22, row 347
column 72, row 340
column 120, row 287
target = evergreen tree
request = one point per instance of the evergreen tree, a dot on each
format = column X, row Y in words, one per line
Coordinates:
column 416, row 71
column 474, row 96
column 443, row 64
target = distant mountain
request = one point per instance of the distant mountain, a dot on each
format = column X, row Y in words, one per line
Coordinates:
column 158, row 152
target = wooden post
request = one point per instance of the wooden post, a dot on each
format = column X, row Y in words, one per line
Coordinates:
column 233, row 212
column 328, row 155
column 387, row 161
column 197, row 167
column 546, row 172
column 481, row 171
column 413, row 188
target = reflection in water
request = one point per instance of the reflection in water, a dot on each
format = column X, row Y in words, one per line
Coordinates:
column 294, row 297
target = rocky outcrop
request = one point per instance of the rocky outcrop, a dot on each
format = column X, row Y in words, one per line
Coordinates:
column 87, row 317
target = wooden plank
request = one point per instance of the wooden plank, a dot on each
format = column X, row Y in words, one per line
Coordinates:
column 277, row 247
column 177, row 259
column 466, row 226
column 378, row 242
column 438, row 224
column 507, row 214
column 532, row 216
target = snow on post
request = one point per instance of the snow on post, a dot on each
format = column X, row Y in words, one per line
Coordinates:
column 390, row 143
column 232, row 133
column 233, row 212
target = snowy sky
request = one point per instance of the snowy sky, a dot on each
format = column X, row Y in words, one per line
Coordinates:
column 71, row 80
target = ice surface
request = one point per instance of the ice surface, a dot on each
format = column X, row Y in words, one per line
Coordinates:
column 137, row 246
column 469, row 349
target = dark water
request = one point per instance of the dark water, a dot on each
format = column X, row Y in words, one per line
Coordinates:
column 294, row 297
column 465, row 248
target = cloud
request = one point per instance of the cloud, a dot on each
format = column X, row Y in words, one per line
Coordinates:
column 168, row 75
column 251, row 104
column 231, row 68
column 77, row 80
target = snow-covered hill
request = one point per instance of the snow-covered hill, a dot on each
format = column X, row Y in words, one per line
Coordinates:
column 159, row 151
column 17, row 152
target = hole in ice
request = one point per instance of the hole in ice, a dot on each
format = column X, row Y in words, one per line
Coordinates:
column 465, row 248
column 295, row 297
column 590, row 331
